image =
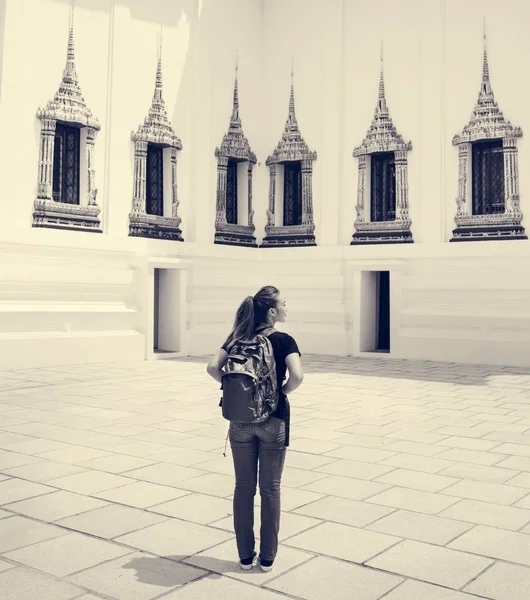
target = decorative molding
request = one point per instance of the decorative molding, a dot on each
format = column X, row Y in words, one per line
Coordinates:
column 234, row 146
column 291, row 147
column 382, row 136
column 156, row 129
column 67, row 106
column 488, row 123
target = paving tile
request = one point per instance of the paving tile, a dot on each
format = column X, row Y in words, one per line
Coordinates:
column 414, row 462
column 227, row 588
column 176, row 456
column 414, row 500
column 292, row 498
column 371, row 455
column 35, row 446
column 520, row 480
column 89, row 482
column 489, row 492
column 290, row 523
column 141, row 494
column 432, row 564
column 74, row 454
column 197, row 508
column 346, row 487
column 502, row 582
column 17, row 532
column 352, row 468
column 175, row 537
column 5, row 566
column 66, row 554
column 419, row 481
column 111, row 521
column 517, row 463
column 164, row 474
column 117, row 463
column 54, row 506
column 197, row 442
column 468, row 443
column 495, row 543
column 334, row 580
column 342, row 510
column 25, row 584
column 423, row 528
column 415, row 448
column 8, row 460
column 223, row 559
column 417, row 590
column 12, row 490
column 479, row 473
column 137, row 576
column 342, row 541
column 313, row 446
column 210, row 483
column 519, row 449
column 292, row 477
column 44, row 470
column 303, row 460
column 472, row 456
column 487, row 513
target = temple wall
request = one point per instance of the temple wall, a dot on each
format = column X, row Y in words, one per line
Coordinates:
column 82, row 297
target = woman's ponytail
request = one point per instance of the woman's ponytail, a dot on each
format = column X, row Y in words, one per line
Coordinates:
column 244, row 327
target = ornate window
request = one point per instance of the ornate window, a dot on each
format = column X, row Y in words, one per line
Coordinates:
column 155, row 155
column 382, row 205
column 232, row 181
column 295, row 159
column 487, row 153
column 66, row 197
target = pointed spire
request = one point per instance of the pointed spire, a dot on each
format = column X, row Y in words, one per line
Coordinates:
column 68, row 103
column 486, row 85
column 235, row 121
column 381, row 100
column 487, row 120
column 291, row 123
column 235, row 144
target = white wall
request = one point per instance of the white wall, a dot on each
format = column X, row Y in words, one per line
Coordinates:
column 76, row 297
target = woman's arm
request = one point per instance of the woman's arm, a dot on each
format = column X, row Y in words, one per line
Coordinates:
column 216, row 363
column 296, row 373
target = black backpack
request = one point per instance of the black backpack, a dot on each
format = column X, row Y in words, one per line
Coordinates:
column 249, row 383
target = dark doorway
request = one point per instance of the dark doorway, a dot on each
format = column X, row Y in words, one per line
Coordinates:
column 156, row 305
column 383, row 311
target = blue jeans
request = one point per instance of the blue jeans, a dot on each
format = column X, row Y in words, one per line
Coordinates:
column 262, row 443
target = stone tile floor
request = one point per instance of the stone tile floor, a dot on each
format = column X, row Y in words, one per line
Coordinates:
column 404, row 481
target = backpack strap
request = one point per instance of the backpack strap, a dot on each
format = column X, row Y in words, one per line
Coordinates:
column 266, row 331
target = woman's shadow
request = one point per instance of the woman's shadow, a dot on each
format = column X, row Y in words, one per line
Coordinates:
column 170, row 571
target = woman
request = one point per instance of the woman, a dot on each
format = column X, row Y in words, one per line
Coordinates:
column 263, row 443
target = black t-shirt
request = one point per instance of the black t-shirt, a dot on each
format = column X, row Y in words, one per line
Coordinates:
column 282, row 345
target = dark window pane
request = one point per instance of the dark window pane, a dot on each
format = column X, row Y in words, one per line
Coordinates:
column 57, row 167
column 65, row 186
column 488, row 178
column 231, row 192
column 154, row 201
column 383, row 187
column 292, row 194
